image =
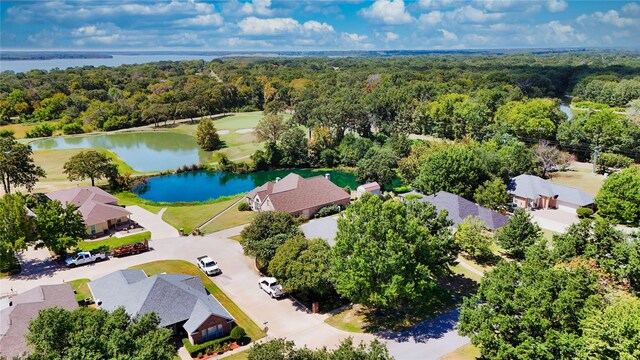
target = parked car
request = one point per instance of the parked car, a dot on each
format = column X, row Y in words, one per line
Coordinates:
column 85, row 257
column 208, row 266
column 270, row 286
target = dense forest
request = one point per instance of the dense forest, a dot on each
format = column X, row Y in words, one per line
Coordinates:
column 448, row 96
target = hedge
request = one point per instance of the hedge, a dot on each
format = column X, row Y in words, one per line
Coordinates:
column 584, row 212
column 201, row 348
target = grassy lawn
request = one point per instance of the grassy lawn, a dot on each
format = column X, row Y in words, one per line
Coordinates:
column 114, row 242
column 81, row 288
column 184, row 267
column 352, row 319
column 190, row 216
column 461, row 270
column 467, row 352
column 581, row 179
column 21, row 130
column 233, row 217
column 129, row 198
column 242, row 355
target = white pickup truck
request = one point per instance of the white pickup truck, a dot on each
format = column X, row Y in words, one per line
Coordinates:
column 85, row 257
column 270, row 286
column 208, row 266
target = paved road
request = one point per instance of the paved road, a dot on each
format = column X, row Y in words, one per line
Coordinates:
column 239, row 281
column 152, row 222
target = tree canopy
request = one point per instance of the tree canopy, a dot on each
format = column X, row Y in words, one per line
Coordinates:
column 281, row 349
column 390, row 253
column 266, row 232
column 619, row 197
column 16, row 229
column 59, row 227
column 518, row 234
column 90, row 164
column 207, row 135
column 16, row 165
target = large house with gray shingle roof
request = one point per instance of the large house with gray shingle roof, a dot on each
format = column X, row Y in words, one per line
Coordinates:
column 297, row 196
column 181, row 302
column 530, row 191
column 459, row 208
column 99, row 209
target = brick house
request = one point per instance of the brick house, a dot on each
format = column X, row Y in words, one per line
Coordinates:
column 532, row 192
column 297, row 196
column 181, row 302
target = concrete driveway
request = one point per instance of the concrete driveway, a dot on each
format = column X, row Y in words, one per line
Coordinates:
column 152, row 222
column 554, row 219
column 324, row 228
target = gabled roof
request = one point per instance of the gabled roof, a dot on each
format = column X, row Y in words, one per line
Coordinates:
column 174, row 297
column 459, row 208
column 14, row 319
column 95, row 204
column 370, row 186
column 295, row 193
column 532, row 187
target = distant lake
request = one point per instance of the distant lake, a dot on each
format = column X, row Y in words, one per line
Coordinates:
column 143, row 151
column 206, row 185
column 26, row 65
column 567, row 110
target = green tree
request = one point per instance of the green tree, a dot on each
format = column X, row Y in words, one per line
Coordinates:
column 16, row 230
column 266, row 232
column 472, row 237
column 302, row 266
column 16, row 165
column 493, row 194
column 59, row 227
column 619, row 197
column 90, row 164
column 610, row 162
column 390, row 253
column 281, row 349
column 378, row 165
column 270, row 128
column 207, row 135
column 456, row 169
column 293, row 147
column 96, row 334
column 519, row 233
column 530, row 310
column 535, row 118
column 614, row 333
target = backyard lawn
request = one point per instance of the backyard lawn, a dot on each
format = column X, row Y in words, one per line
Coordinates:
column 184, row 267
column 81, row 288
column 114, row 242
column 580, row 178
column 190, row 216
column 467, row 352
column 232, row 218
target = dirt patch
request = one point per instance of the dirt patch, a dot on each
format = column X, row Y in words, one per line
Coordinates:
column 223, row 132
column 244, row 131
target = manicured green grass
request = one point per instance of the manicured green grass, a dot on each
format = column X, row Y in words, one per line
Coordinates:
column 351, row 320
column 21, row 130
column 461, row 270
column 242, row 355
column 231, row 218
column 236, row 237
column 114, row 242
column 581, row 179
column 466, row 352
column 81, row 288
column 184, row 267
column 188, row 217
column 128, row 198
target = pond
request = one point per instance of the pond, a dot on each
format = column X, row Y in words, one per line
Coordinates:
column 143, row 151
column 567, row 110
column 206, row 185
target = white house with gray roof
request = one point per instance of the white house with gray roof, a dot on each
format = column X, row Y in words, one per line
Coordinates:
column 181, row 302
column 530, row 191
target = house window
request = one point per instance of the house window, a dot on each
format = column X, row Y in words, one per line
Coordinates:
column 203, row 334
column 93, row 229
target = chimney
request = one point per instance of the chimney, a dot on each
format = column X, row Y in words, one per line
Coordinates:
column 277, row 179
column 328, row 176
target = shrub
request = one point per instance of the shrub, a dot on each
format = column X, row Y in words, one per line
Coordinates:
column 42, row 130
column 584, row 212
column 5, row 133
column 237, row 333
column 608, row 161
column 244, row 206
column 198, row 350
column 328, row 210
column 413, row 197
column 72, row 128
column 347, row 189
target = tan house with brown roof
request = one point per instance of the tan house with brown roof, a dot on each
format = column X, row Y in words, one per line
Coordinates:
column 100, row 210
column 297, row 196
column 16, row 313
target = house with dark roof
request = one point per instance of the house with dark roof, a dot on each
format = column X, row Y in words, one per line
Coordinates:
column 532, row 192
column 181, row 302
column 99, row 209
column 459, row 208
column 297, row 196
column 17, row 312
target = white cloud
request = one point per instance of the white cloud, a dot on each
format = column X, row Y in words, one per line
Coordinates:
column 274, row 26
column 354, row 37
column 496, row 5
column 432, row 4
column 631, row 8
column 431, row 18
column 316, row 26
column 44, row 38
column 388, row 36
column 388, row 12
column 611, row 17
column 556, row 5
column 448, row 35
column 236, row 42
column 258, row 7
column 555, row 33
column 91, row 30
column 469, row 14
column 202, row 20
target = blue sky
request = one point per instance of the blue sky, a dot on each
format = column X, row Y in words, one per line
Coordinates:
column 316, row 25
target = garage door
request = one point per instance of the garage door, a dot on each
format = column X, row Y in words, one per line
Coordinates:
column 567, row 207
